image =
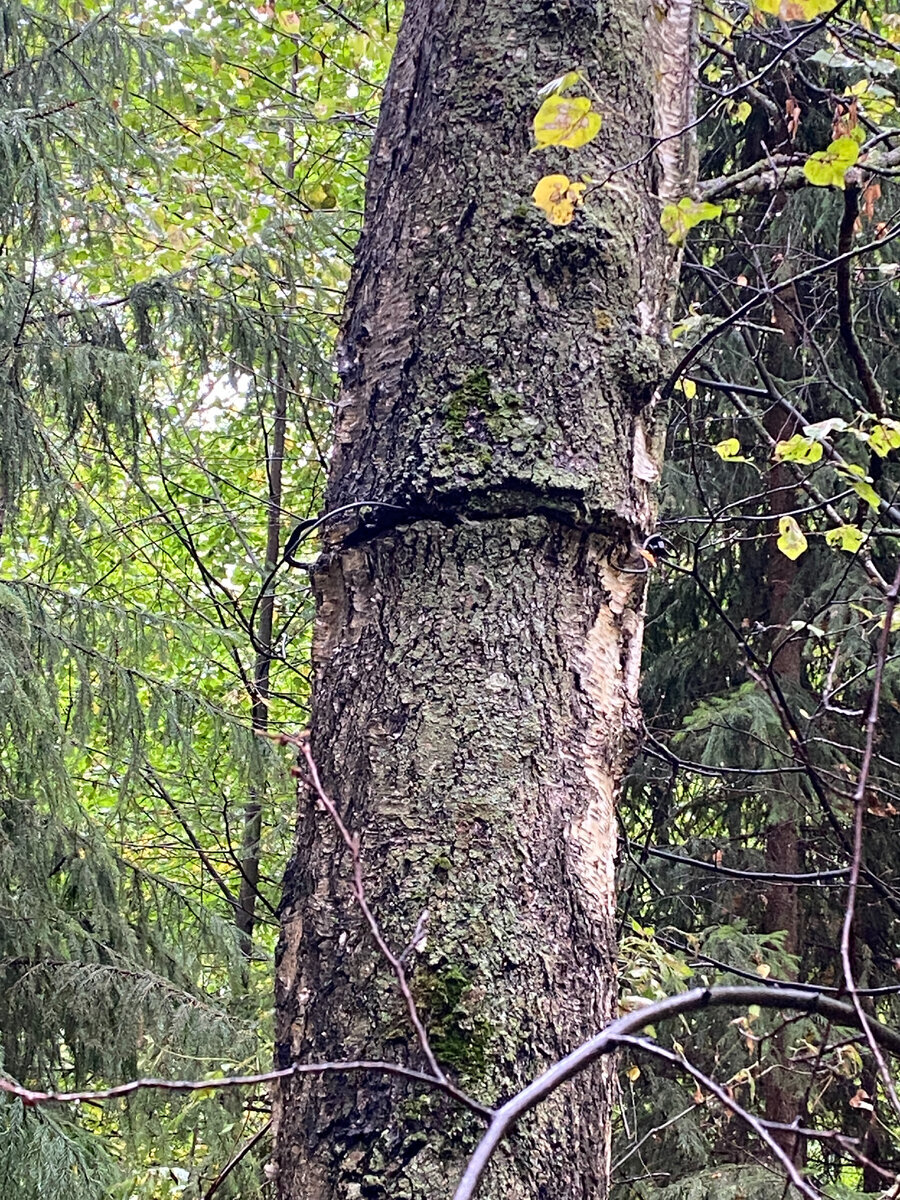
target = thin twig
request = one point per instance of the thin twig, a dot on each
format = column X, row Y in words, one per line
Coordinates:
column 631, row 1024
column 759, row 876
column 859, row 808
column 235, row 1160
column 351, row 841
column 31, row 1098
column 646, row 1046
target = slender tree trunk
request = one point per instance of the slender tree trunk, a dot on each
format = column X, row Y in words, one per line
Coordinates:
column 781, row 1095
column 478, row 643
column 251, row 830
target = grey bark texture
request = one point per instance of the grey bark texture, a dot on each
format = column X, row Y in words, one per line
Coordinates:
column 477, row 647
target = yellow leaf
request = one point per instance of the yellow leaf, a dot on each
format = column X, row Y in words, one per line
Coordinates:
column 677, row 219
column 847, row 537
column 560, row 84
column 867, row 493
column 792, row 540
column 566, row 121
column 798, row 449
column 558, row 196
column 729, row 450
column 633, row 1073
column 793, row 10
column 764, row 970
column 883, row 439
column 289, row 21
column 827, row 168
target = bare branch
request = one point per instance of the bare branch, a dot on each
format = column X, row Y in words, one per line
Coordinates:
column 632, row 1023
column 351, row 841
column 32, row 1098
column 859, row 808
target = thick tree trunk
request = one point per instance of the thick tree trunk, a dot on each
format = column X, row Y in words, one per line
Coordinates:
column 478, row 644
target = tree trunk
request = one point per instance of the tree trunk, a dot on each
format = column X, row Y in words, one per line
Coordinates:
column 782, row 1097
column 251, row 827
column 478, row 643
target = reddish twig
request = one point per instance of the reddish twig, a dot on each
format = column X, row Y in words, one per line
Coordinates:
column 32, row 1098
column 351, row 841
column 859, row 808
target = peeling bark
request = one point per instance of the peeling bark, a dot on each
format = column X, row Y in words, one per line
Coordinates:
column 477, row 647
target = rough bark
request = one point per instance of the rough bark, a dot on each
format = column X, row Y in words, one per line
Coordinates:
column 478, row 644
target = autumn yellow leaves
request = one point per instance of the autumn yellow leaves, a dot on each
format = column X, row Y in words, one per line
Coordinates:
column 570, row 121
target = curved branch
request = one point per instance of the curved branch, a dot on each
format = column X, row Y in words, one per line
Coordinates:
column 632, row 1023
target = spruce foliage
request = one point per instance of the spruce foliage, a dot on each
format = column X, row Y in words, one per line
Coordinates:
column 178, row 190
column 756, row 664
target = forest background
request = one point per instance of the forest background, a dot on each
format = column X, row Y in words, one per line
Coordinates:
column 181, row 188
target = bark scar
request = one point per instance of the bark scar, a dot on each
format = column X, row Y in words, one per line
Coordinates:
column 610, row 675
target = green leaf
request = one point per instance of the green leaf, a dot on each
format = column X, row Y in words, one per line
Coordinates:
column 792, row 540
column 883, row 439
column 867, row 493
column 798, row 449
column 827, row 168
column 678, row 219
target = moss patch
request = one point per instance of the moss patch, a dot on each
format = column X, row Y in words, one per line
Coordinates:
column 475, row 400
column 472, row 396
column 459, row 1035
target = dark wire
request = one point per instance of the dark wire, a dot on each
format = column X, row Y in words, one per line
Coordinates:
column 296, row 538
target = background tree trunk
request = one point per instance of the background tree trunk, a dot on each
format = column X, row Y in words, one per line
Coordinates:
column 478, row 648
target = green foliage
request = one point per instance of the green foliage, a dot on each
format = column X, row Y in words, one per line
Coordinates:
column 178, row 202
column 827, row 168
column 758, row 667
column 43, row 1153
column 179, row 198
column 678, row 219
